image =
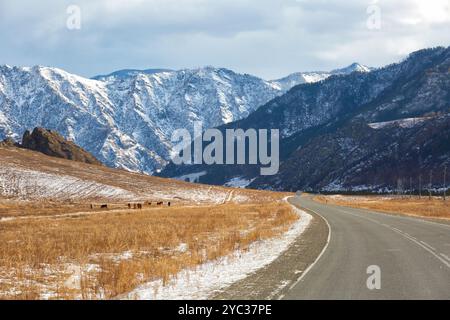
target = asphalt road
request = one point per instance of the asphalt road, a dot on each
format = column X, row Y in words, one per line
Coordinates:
column 413, row 256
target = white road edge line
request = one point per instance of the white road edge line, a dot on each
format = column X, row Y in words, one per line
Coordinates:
column 317, row 259
column 399, row 216
column 445, row 256
column 424, row 243
column 402, row 234
column 426, row 248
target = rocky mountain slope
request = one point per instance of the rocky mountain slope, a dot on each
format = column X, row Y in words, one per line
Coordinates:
column 125, row 119
column 384, row 157
column 329, row 134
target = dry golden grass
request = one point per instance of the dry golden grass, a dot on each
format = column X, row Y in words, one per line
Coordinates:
column 20, row 208
column 434, row 208
column 13, row 208
column 44, row 208
column 137, row 187
column 57, row 247
column 109, row 253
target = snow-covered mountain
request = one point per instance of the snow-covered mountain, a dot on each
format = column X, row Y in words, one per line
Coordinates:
column 126, row 118
column 354, row 67
column 125, row 73
column 296, row 78
column 362, row 131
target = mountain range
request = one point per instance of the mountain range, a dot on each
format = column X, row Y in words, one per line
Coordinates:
column 126, row 118
column 350, row 129
column 383, row 130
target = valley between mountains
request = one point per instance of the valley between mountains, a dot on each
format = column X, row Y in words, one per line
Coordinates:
column 126, row 118
column 91, row 206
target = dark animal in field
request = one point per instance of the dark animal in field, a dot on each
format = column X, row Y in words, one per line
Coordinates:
column 148, row 203
column 168, row 203
column 129, row 206
column 104, row 206
column 160, row 203
column 139, row 205
column 92, row 206
column 134, row 206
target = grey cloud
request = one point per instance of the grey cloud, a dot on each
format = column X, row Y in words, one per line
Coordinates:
column 269, row 38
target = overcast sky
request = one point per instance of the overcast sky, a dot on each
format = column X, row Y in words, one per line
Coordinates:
column 268, row 38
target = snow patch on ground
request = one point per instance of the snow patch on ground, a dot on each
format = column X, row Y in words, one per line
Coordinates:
column 402, row 123
column 24, row 183
column 212, row 277
column 29, row 184
column 192, row 177
column 239, row 182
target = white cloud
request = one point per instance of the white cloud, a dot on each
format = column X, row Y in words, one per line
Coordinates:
column 269, row 38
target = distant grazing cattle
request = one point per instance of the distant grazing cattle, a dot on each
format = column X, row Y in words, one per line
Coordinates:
column 139, row 205
column 129, row 206
column 92, row 206
column 160, row 203
column 148, row 203
column 104, row 206
column 168, row 203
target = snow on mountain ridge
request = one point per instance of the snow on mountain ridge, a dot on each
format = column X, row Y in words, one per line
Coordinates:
column 315, row 76
column 354, row 67
column 126, row 119
column 129, row 72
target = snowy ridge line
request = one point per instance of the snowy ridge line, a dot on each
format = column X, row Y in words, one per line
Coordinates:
column 208, row 279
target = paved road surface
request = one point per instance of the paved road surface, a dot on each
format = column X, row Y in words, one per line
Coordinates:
column 413, row 256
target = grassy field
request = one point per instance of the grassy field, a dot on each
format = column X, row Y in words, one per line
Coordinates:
column 105, row 254
column 31, row 178
column 53, row 245
column 423, row 207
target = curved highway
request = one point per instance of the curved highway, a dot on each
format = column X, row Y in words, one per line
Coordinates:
column 376, row 256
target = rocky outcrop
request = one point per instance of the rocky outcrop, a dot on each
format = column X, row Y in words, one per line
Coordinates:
column 53, row 144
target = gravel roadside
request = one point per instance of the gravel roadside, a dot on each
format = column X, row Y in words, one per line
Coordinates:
column 271, row 281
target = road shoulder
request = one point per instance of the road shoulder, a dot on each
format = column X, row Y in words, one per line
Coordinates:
column 271, row 281
column 443, row 221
